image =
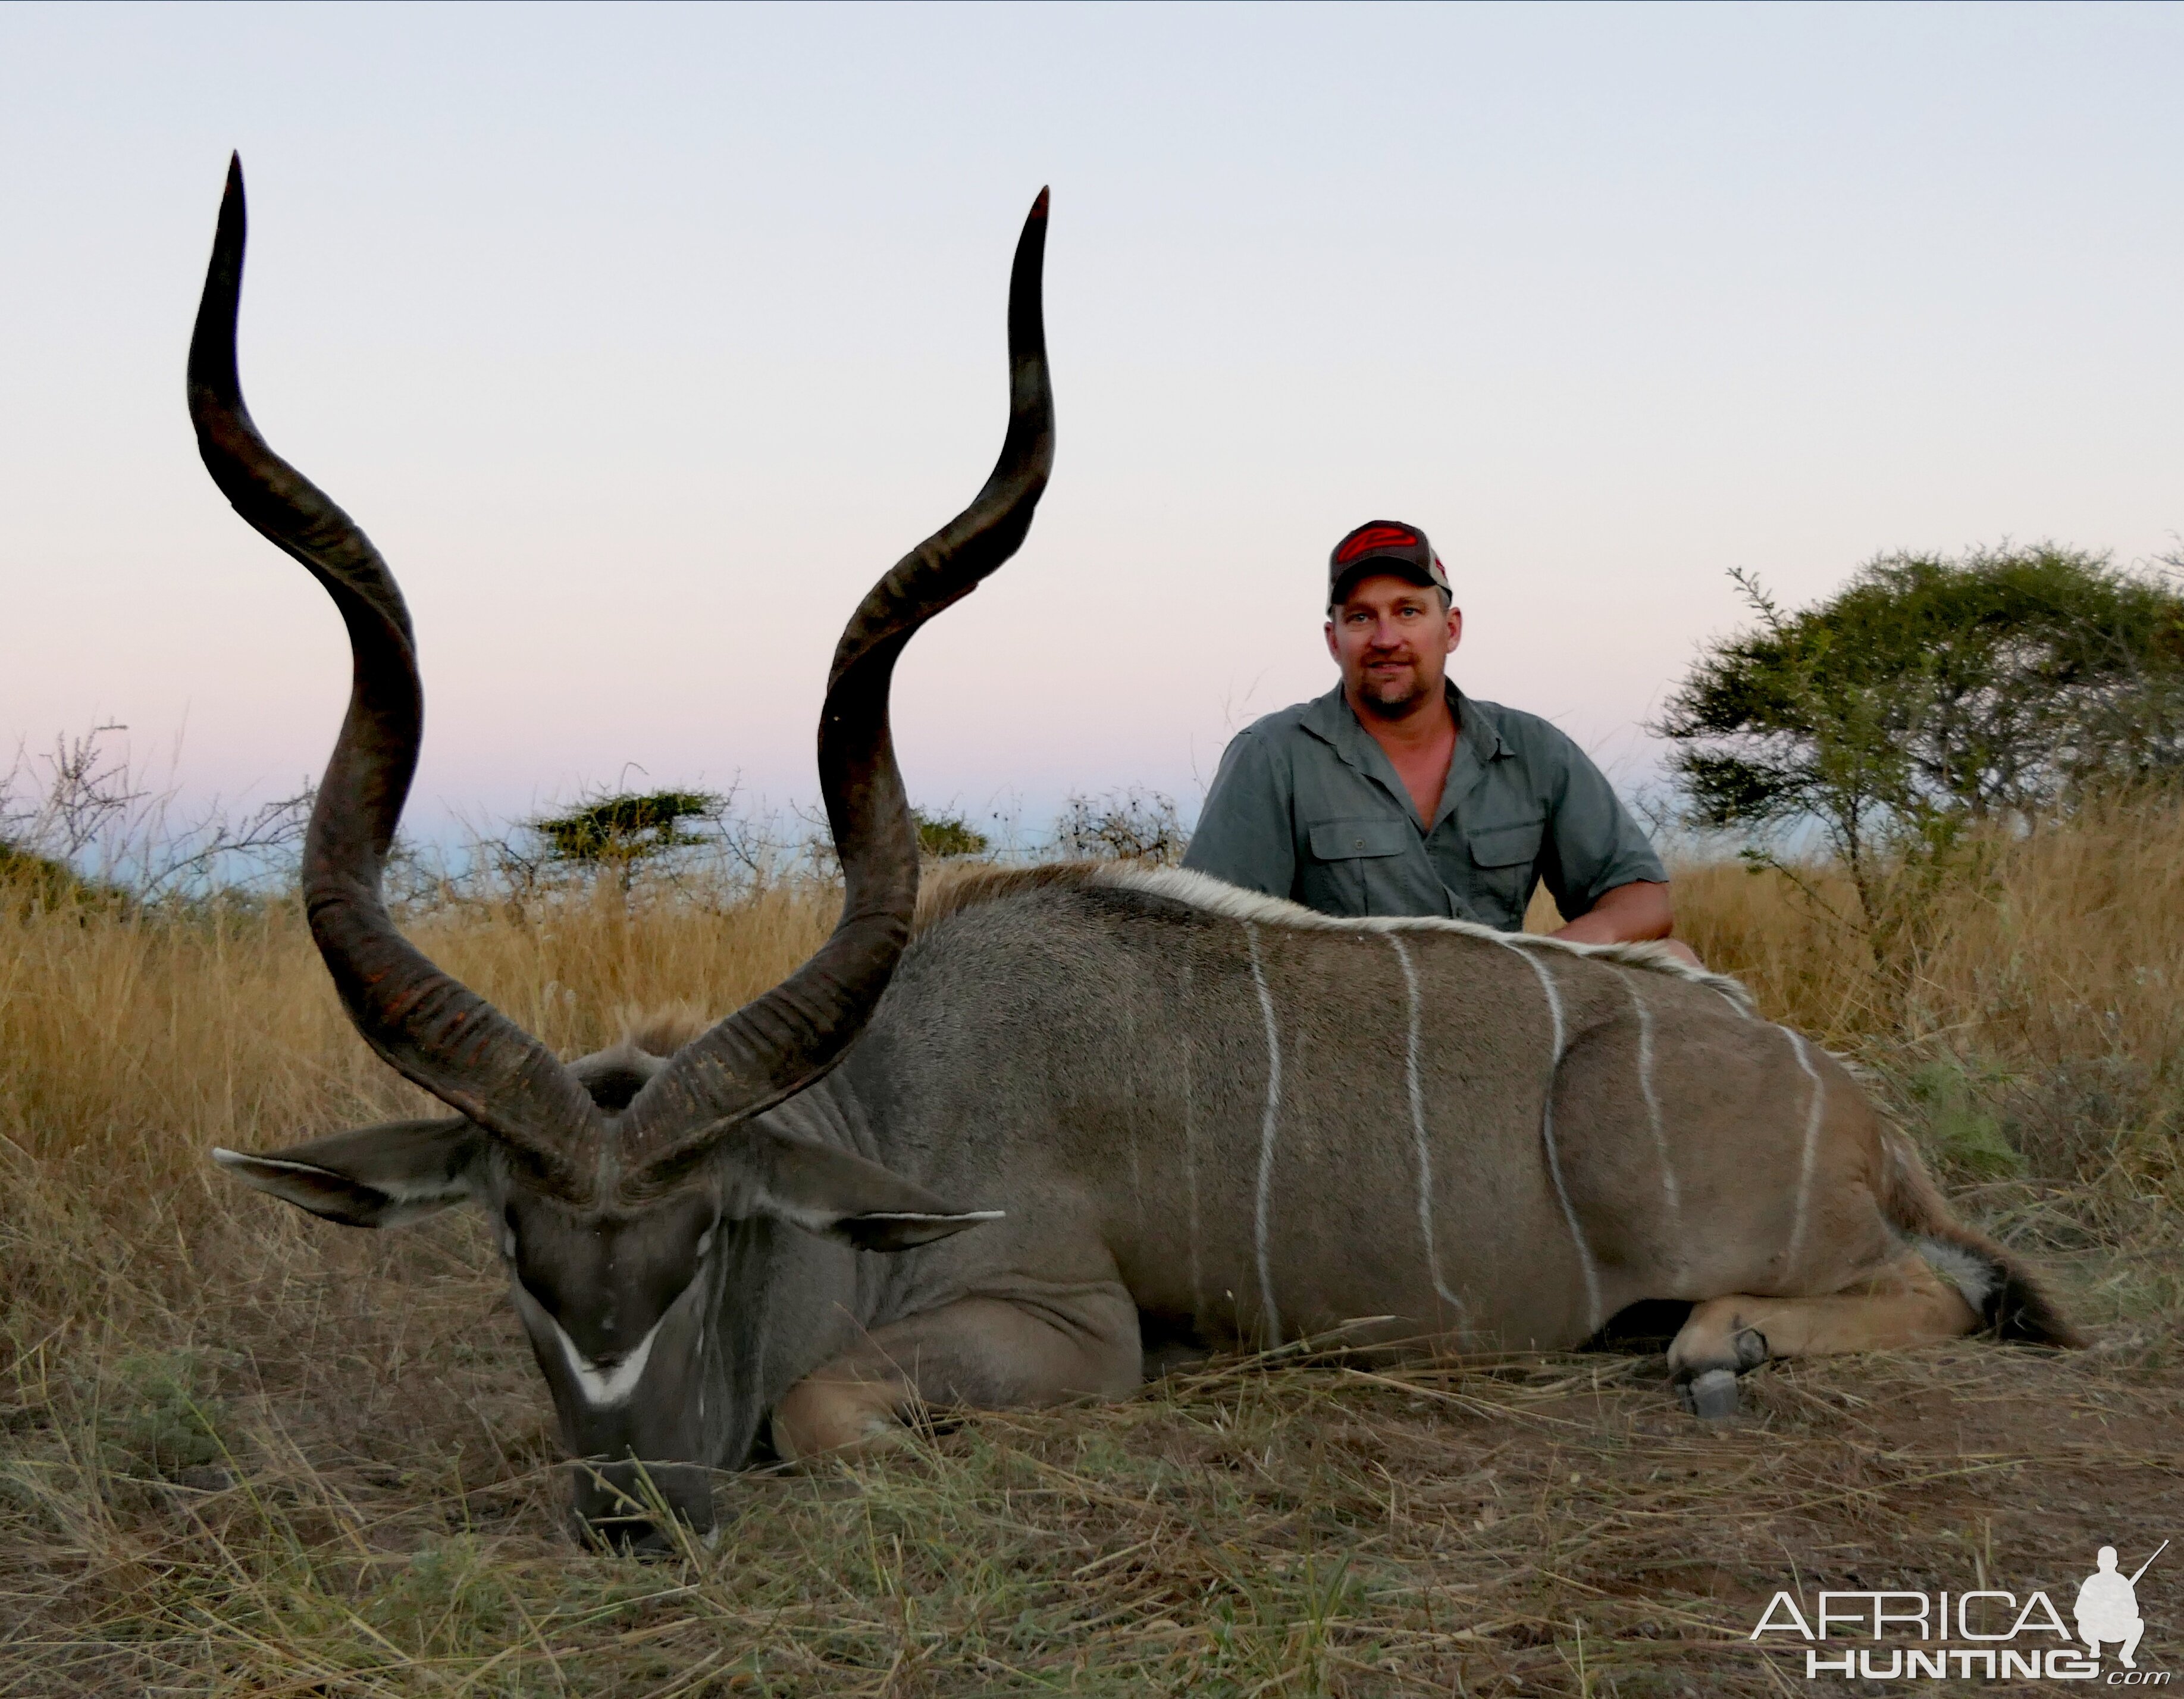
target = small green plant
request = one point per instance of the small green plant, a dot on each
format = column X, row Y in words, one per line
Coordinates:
column 160, row 1419
column 450, row 1594
column 1962, row 1132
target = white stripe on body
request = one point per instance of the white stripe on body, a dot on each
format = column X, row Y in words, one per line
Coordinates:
column 1191, row 1163
column 1547, row 1136
column 1130, row 1122
column 1670, row 1192
column 1271, row 1312
column 1418, row 1139
column 1812, row 1147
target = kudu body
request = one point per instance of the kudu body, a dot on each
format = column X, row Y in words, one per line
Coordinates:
column 1215, row 1118
column 1175, row 1112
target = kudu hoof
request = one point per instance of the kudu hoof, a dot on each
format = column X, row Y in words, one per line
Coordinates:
column 1711, row 1396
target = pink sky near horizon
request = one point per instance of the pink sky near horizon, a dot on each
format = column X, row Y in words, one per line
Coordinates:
column 643, row 339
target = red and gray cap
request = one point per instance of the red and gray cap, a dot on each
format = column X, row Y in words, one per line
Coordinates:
column 1385, row 545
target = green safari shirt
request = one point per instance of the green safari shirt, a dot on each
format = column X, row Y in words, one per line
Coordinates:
column 1307, row 805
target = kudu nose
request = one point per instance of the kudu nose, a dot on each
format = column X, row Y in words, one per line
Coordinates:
column 625, row 1506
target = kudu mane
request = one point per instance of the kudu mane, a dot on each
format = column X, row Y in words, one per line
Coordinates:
column 953, row 892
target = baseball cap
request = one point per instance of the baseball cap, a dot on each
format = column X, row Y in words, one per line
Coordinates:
column 1385, row 545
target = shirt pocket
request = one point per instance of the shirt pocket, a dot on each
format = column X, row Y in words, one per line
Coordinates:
column 1507, row 843
column 1355, row 840
column 1502, row 856
column 1356, row 866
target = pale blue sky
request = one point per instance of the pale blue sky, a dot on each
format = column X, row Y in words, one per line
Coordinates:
column 642, row 339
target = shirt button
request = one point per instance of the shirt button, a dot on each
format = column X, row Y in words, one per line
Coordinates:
column 1361, row 843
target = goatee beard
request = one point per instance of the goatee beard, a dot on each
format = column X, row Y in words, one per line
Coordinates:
column 1393, row 707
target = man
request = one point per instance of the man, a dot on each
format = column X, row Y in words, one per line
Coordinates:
column 1396, row 794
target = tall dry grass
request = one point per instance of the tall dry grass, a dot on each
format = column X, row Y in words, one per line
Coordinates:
column 133, row 1038
column 241, row 1451
column 2031, row 1016
column 2061, row 942
column 2027, row 1016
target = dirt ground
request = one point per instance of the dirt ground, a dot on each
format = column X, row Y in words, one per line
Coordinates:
column 364, row 1501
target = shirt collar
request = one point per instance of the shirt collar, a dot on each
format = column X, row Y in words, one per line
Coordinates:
column 1478, row 725
column 1478, row 741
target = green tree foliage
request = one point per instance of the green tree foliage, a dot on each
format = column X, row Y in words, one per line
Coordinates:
column 27, row 877
column 941, row 836
column 1928, row 694
column 615, row 832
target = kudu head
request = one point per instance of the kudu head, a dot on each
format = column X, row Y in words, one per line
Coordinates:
column 626, row 1190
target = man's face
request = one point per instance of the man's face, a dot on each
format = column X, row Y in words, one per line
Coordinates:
column 1392, row 640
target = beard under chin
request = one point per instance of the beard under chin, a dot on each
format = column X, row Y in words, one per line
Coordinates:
column 1393, row 700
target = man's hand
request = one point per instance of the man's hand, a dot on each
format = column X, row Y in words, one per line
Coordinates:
column 1638, row 912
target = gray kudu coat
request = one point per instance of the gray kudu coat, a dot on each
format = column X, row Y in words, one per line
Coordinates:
column 1209, row 1115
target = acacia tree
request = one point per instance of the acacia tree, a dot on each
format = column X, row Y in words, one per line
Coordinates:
column 943, row 836
column 1926, row 694
column 617, row 832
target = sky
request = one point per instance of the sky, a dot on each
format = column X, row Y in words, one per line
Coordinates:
column 643, row 339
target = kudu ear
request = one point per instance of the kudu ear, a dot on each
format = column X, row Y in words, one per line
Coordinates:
column 836, row 1195
column 386, row 1176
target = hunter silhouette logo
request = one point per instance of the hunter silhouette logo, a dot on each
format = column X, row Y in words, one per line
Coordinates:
column 2107, row 1606
column 1984, row 1633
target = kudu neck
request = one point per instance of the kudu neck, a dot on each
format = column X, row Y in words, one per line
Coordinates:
column 787, row 1302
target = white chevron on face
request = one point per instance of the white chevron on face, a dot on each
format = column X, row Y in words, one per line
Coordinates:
column 600, row 1385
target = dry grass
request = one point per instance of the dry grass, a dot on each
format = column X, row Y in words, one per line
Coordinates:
column 250, row 1453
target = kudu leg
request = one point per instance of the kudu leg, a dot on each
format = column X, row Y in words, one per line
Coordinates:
column 978, row 1353
column 1906, row 1303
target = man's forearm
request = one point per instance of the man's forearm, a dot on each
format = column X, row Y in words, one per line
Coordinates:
column 1633, row 913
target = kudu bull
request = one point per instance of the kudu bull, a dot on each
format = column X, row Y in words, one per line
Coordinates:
column 1182, row 1111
